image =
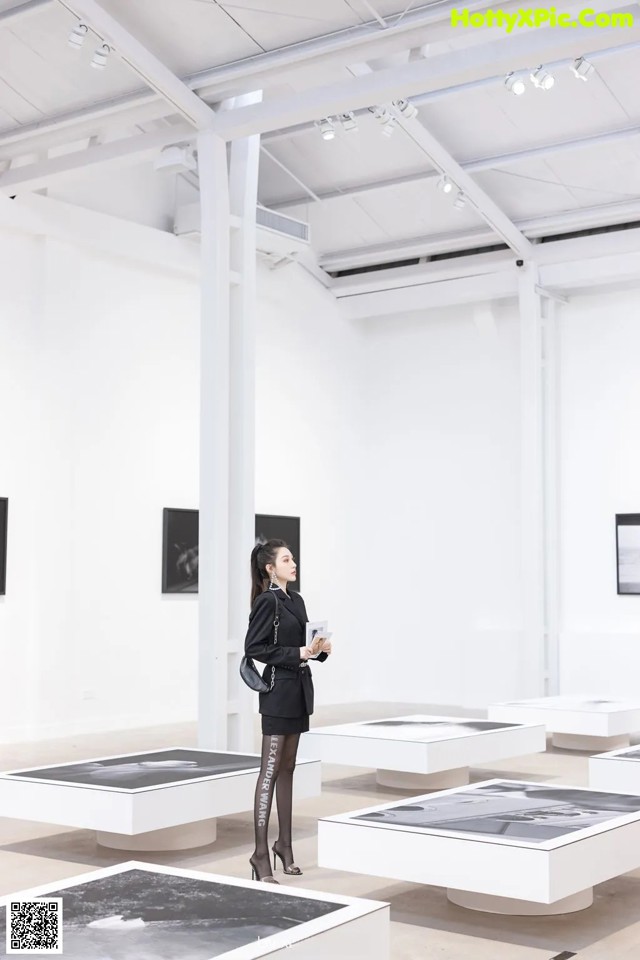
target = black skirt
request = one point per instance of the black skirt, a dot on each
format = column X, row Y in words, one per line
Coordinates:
column 281, row 726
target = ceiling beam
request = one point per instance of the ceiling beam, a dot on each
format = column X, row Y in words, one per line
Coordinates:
column 22, row 10
column 331, row 51
column 584, row 218
column 244, row 75
column 116, row 153
column 440, row 157
column 145, row 64
column 493, row 162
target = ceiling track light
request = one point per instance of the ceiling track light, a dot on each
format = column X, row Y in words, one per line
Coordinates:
column 78, row 35
column 582, row 69
column 405, row 109
column 327, row 128
column 348, row 121
column 445, row 184
column 101, row 56
column 460, row 201
column 385, row 119
column 515, row 84
column 542, row 79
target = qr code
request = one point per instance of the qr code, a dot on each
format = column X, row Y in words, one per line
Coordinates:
column 34, row 926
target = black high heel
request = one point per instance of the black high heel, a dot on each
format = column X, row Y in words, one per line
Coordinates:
column 255, row 873
column 291, row 870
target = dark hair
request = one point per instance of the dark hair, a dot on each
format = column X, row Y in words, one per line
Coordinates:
column 261, row 555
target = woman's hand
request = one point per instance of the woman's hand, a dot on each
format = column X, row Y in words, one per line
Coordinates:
column 326, row 646
column 305, row 653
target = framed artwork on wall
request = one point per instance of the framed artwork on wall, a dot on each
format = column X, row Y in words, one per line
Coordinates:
column 179, row 551
column 274, row 527
column 4, row 514
column 628, row 552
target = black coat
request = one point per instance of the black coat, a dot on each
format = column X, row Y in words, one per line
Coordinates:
column 292, row 694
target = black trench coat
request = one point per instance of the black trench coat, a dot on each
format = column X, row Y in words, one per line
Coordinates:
column 292, row 694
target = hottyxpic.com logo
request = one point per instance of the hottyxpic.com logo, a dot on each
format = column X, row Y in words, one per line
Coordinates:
column 532, row 17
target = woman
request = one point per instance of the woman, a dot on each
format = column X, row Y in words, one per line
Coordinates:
column 286, row 707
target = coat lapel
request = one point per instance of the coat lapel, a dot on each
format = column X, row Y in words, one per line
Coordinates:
column 292, row 607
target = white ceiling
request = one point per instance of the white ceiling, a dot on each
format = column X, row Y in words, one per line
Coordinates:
column 50, row 96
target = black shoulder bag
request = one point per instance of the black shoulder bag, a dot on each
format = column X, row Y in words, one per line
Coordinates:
column 248, row 670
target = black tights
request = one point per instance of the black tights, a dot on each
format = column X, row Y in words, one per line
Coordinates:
column 276, row 774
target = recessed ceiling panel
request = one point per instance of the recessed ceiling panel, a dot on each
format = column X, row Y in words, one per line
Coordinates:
column 187, row 35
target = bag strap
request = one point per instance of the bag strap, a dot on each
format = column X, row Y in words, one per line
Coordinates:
column 276, row 624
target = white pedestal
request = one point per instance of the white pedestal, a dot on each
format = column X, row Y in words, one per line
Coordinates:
column 571, row 741
column 186, row 837
column 423, row 781
column 520, row 908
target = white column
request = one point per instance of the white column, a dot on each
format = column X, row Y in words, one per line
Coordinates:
column 532, row 485
column 550, row 394
column 214, row 443
column 243, row 177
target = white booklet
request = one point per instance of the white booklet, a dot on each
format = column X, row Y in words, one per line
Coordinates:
column 316, row 628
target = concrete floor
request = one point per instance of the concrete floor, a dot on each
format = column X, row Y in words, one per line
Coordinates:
column 424, row 923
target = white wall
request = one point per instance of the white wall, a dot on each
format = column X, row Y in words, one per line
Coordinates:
column 600, row 476
column 99, row 372
column 309, row 403
column 442, row 507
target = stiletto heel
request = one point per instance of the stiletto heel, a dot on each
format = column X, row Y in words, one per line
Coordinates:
column 291, row 870
column 274, row 861
column 255, row 872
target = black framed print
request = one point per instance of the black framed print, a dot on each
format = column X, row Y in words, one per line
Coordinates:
column 274, row 527
column 628, row 552
column 180, row 540
column 4, row 516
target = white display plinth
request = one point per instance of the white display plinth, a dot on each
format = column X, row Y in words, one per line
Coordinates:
column 504, row 846
column 158, row 815
column 238, row 919
column 571, row 741
column 199, row 834
column 578, row 723
column 421, row 746
column 520, row 908
column 618, row 771
column 423, row 781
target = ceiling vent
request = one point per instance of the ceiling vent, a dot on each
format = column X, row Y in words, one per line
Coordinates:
column 277, row 236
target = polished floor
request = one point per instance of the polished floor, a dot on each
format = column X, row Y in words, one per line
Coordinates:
column 424, row 923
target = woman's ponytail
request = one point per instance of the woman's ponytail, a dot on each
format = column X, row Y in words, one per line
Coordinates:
column 261, row 555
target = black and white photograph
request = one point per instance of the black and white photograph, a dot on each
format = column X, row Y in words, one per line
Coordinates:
column 4, row 518
column 179, row 551
column 628, row 552
column 144, row 770
column 429, row 728
column 147, row 915
column 533, row 813
column 275, row 527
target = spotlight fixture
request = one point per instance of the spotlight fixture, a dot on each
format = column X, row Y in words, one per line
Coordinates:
column 582, row 69
column 515, row 84
column 445, row 185
column 384, row 117
column 327, row 129
column 348, row 121
column 78, row 35
column 101, row 57
column 542, row 79
column 406, row 109
column 460, row 201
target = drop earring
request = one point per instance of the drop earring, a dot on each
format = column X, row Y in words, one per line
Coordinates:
column 274, row 585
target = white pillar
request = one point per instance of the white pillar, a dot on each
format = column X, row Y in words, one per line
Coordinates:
column 532, row 485
column 550, row 393
column 243, row 176
column 213, row 572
